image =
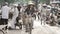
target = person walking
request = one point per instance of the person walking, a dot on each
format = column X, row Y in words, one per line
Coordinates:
column 43, row 14
column 15, row 15
column 5, row 14
column 29, row 11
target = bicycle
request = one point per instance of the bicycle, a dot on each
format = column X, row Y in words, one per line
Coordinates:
column 1, row 30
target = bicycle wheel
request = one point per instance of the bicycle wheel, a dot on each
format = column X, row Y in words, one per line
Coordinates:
column 1, row 32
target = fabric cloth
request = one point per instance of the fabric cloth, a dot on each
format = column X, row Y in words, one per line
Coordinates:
column 30, row 11
column 15, row 15
column 4, row 21
column 19, row 7
column 5, row 12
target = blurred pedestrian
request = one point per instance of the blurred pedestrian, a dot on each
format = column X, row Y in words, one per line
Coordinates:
column 15, row 15
column 19, row 7
column 29, row 11
column 43, row 13
column 5, row 13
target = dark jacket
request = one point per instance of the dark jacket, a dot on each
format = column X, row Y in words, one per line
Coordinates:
column 28, row 11
column 18, row 7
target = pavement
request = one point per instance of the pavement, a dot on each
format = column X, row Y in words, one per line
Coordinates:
column 38, row 29
column 45, row 29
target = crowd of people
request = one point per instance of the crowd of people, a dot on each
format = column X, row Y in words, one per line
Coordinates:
column 17, row 15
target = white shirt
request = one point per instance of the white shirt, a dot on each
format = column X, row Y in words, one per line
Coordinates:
column 5, row 12
column 39, row 7
column 22, row 9
column 15, row 13
column 12, row 22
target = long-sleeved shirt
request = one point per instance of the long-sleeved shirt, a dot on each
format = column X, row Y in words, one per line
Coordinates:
column 5, row 12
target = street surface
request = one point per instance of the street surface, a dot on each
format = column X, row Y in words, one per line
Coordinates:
column 38, row 29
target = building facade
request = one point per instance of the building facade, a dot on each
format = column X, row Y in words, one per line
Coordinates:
column 54, row 1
